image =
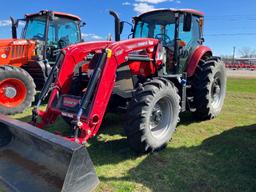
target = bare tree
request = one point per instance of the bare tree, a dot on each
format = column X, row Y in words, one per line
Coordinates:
column 247, row 52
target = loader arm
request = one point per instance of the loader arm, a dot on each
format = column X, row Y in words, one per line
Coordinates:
column 87, row 118
column 117, row 54
column 60, row 78
column 35, row 160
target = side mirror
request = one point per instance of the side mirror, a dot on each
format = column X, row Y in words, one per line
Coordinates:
column 130, row 24
column 82, row 24
column 133, row 24
column 187, row 23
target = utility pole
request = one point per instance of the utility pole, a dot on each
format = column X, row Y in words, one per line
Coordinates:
column 234, row 54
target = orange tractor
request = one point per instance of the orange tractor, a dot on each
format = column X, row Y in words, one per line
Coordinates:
column 26, row 63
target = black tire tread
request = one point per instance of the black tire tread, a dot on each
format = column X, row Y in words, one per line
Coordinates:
column 201, row 86
column 136, row 113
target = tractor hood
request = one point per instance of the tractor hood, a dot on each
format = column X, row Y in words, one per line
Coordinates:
column 8, row 42
column 16, row 51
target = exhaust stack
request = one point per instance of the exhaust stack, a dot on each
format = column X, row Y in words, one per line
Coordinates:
column 117, row 25
column 14, row 27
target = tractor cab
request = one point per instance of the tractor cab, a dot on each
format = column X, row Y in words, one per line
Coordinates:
column 52, row 32
column 180, row 32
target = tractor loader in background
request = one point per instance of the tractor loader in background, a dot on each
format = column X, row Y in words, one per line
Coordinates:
column 162, row 71
column 26, row 63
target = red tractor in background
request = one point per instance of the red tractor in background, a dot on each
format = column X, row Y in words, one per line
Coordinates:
column 26, row 63
column 162, row 71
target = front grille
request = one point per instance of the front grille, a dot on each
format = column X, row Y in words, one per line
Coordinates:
column 18, row 51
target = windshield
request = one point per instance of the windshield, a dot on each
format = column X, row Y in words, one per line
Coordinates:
column 35, row 28
column 159, row 25
column 62, row 31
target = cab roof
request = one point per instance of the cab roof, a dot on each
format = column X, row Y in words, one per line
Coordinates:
column 192, row 11
column 61, row 14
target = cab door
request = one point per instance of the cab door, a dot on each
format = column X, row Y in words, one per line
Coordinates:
column 191, row 39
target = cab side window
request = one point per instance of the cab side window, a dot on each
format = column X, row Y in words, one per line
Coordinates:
column 69, row 32
column 190, row 38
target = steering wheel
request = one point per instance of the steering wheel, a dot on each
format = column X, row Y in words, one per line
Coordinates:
column 163, row 38
column 62, row 43
column 38, row 36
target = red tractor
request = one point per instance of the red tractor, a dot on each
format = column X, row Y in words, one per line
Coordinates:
column 26, row 63
column 162, row 71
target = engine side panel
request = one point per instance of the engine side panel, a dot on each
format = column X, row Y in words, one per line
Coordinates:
column 16, row 52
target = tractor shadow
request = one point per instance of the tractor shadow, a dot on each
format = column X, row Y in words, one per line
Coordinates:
column 113, row 123
column 225, row 162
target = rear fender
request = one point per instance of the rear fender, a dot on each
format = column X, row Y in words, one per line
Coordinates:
column 197, row 55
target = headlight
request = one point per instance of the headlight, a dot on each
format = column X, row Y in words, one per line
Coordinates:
column 3, row 56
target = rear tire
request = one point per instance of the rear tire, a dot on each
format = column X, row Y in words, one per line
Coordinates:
column 209, row 88
column 17, row 90
column 152, row 115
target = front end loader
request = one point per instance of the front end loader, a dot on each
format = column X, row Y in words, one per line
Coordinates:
column 162, row 71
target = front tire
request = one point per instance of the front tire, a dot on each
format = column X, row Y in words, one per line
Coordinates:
column 152, row 115
column 209, row 88
column 17, row 90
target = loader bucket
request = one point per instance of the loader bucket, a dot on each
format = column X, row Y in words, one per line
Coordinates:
column 35, row 160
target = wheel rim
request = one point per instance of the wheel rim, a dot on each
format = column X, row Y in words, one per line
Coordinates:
column 12, row 92
column 161, row 117
column 216, row 91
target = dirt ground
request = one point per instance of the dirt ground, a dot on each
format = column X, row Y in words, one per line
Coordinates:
column 241, row 73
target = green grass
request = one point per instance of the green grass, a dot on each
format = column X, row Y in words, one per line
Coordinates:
column 242, row 85
column 216, row 155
